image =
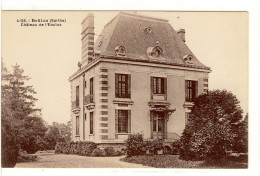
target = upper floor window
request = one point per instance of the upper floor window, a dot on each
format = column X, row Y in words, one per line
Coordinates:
column 123, row 86
column 77, row 96
column 191, row 90
column 91, row 88
column 159, row 85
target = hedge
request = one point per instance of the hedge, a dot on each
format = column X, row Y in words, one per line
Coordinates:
column 85, row 148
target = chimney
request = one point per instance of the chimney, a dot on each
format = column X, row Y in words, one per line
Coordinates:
column 181, row 33
column 87, row 38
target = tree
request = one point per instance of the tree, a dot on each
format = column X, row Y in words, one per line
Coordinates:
column 19, row 115
column 32, row 134
column 241, row 139
column 9, row 154
column 211, row 128
column 57, row 132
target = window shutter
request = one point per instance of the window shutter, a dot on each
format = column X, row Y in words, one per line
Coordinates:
column 186, row 90
column 129, row 86
column 116, row 121
column 129, row 121
column 165, row 88
column 151, row 123
column 116, row 85
column 151, row 88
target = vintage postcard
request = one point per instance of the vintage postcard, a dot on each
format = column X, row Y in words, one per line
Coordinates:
column 125, row 89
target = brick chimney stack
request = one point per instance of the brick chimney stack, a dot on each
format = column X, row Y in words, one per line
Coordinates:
column 87, row 38
column 181, row 33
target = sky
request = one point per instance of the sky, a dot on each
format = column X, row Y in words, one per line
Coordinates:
column 49, row 55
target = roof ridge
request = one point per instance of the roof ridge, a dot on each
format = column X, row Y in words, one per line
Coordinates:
column 143, row 16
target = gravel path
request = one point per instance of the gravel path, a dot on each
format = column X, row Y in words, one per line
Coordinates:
column 75, row 161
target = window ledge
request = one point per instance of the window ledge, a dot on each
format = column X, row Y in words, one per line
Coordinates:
column 123, row 101
column 91, row 135
column 122, row 133
column 188, row 104
column 77, row 135
column 76, row 110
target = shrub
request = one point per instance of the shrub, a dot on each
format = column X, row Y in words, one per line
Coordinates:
column 84, row 148
column 87, row 148
column 98, row 152
column 110, row 151
column 211, row 128
column 24, row 157
column 176, row 147
column 149, row 145
column 119, row 153
column 157, row 144
column 135, row 145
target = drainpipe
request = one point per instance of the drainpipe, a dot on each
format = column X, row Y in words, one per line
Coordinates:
column 84, row 107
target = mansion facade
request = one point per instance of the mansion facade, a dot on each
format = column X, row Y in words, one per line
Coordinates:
column 139, row 76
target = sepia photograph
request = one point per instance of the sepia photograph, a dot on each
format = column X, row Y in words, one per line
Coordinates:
column 125, row 89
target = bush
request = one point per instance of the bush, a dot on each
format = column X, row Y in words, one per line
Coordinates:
column 24, row 157
column 98, row 152
column 119, row 153
column 110, row 151
column 135, row 145
column 176, row 147
column 84, row 148
column 211, row 128
column 157, row 144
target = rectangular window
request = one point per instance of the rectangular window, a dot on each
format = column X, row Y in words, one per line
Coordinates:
column 85, row 84
column 122, row 121
column 77, row 96
column 191, row 90
column 159, row 85
column 91, row 127
column 187, row 115
column 123, row 86
column 77, row 126
column 91, row 90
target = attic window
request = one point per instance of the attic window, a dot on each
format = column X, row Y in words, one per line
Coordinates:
column 188, row 59
column 148, row 30
column 120, row 50
column 155, row 52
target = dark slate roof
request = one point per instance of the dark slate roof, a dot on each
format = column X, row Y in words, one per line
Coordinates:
column 129, row 30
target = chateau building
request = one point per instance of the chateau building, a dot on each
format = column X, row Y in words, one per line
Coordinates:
column 138, row 76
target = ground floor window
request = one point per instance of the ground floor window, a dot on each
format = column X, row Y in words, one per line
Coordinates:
column 187, row 115
column 77, row 125
column 91, row 124
column 123, row 121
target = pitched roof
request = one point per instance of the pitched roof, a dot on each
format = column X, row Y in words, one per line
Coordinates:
column 129, row 30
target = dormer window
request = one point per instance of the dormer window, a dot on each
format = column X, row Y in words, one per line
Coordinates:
column 155, row 52
column 188, row 59
column 120, row 50
column 148, row 30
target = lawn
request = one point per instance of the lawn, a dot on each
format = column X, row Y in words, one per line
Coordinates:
column 173, row 161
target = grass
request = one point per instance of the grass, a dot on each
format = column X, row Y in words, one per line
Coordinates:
column 173, row 161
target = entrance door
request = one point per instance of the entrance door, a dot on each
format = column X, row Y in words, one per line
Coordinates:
column 158, row 125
